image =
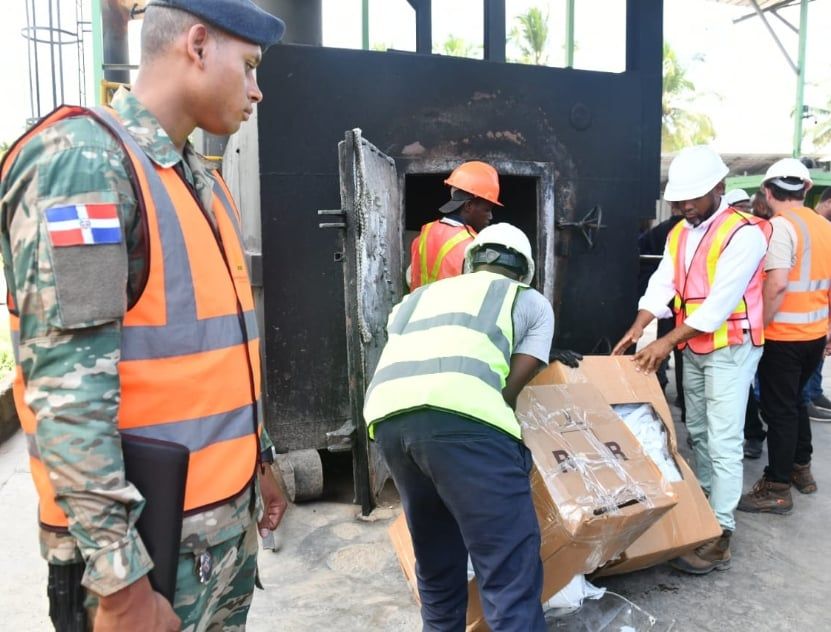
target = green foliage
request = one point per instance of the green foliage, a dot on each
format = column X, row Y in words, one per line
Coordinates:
column 680, row 126
column 457, row 47
column 821, row 134
column 531, row 36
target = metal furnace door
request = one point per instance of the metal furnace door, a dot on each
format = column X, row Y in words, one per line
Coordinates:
column 373, row 283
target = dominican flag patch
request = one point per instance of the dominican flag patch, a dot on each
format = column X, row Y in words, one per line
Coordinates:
column 83, row 225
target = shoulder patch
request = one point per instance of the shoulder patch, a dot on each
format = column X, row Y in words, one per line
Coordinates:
column 83, row 225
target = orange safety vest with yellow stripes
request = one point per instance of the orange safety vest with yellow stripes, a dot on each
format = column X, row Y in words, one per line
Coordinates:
column 693, row 286
column 189, row 367
column 438, row 252
column 803, row 314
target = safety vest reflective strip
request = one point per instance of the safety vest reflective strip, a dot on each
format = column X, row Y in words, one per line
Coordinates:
column 803, row 314
column 436, row 253
column 449, row 348
column 693, row 285
column 189, row 368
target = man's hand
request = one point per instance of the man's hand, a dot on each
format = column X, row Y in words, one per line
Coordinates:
column 565, row 356
column 630, row 338
column 136, row 608
column 650, row 357
column 273, row 500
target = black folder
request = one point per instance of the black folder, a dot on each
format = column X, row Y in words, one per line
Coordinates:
column 159, row 471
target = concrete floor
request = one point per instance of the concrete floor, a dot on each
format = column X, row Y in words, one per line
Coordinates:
column 336, row 572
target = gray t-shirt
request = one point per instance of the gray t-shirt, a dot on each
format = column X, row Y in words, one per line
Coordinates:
column 533, row 324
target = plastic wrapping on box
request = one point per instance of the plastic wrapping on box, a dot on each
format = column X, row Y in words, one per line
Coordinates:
column 649, row 430
column 691, row 522
column 593, row 483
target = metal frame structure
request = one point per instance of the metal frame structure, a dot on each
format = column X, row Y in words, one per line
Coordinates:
column 761, row 9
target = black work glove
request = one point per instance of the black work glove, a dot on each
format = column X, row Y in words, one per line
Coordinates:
column 566, row 356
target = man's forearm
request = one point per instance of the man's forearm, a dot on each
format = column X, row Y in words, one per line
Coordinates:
column 681, row 334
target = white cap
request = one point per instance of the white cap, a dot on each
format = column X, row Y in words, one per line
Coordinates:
column 736, row 195
column 694, row 172
column 506, row 235
column 788, row 168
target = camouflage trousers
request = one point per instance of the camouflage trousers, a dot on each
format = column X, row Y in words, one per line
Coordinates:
column 222, row 602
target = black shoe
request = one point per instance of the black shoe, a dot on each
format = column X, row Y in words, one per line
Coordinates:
column 822, row 402
column 818, row 414
column 753, row 448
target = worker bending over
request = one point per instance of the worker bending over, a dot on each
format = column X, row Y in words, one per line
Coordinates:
column 440, row 406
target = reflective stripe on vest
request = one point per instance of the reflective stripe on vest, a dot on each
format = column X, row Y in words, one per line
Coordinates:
column 803, row 314
column 438, row 252
column 693, row 286
column 189, row 368
column 449, row 348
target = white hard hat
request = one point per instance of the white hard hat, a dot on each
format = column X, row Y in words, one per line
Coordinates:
column 694, row 172
column 788, row 168
column 506, row 235
column 736, row 195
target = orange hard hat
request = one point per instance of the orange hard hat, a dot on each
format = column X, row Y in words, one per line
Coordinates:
column 477, row 178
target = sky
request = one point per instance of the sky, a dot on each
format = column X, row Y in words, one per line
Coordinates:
column 743, row 81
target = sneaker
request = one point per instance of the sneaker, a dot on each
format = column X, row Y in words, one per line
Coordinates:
column 816, row 413
column 802, row 479
column 767, row 497
column 822, row 402
column 710, row 556
column 753, row 448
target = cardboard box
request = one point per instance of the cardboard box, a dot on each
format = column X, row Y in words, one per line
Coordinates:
column 595, row 491
column 691, row 522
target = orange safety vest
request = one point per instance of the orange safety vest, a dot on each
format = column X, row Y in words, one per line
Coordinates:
column 693, row 286
column 189, row 368
column 803, row 314
column 438, row 252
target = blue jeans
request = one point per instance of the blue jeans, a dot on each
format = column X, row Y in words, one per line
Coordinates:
column 716, row 388
column 464, row 488
column 813, row 388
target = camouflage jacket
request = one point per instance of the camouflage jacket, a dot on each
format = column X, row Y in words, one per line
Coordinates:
column 69, row 352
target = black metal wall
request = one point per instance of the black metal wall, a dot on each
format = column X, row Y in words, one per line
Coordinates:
column 600, row 130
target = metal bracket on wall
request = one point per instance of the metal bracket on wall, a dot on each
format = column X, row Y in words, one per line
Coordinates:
column 340, row 440
column 588, row 225
column 335, row 213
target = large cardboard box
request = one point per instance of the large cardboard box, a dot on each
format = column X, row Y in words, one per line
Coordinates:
column 595, row 491
column 691, row 522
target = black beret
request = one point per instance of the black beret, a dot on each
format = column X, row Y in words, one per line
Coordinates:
column 242, row 18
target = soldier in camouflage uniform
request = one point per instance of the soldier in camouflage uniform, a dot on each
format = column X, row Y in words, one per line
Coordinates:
column 71, row 302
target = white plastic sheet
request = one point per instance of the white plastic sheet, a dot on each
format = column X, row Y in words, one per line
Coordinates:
column 648, row 429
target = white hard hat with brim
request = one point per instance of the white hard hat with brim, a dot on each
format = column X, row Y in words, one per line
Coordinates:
column 694, row 172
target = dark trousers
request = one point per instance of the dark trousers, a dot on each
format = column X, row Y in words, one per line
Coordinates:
column 784, row 370
column 464, row 489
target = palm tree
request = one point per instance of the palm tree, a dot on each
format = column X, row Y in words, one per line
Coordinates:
column 680, row 126
column 457, row 47
column 821, row 134
column 532, row 36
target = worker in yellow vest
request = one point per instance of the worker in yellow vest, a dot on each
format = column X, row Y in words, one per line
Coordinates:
column 440, row 406
column 797, row 293
column 711, row 270
column 133, row 317
column 438, row 251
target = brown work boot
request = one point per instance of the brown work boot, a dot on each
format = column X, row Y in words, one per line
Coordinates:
column 802, row 479
column 767, row 497
column 710, row 556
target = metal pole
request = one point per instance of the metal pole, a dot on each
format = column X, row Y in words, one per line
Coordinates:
column 97, row 50
column 365, row 24
column 569, row 33
column 52, row 56
column 59, row 33
column 800, row 79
